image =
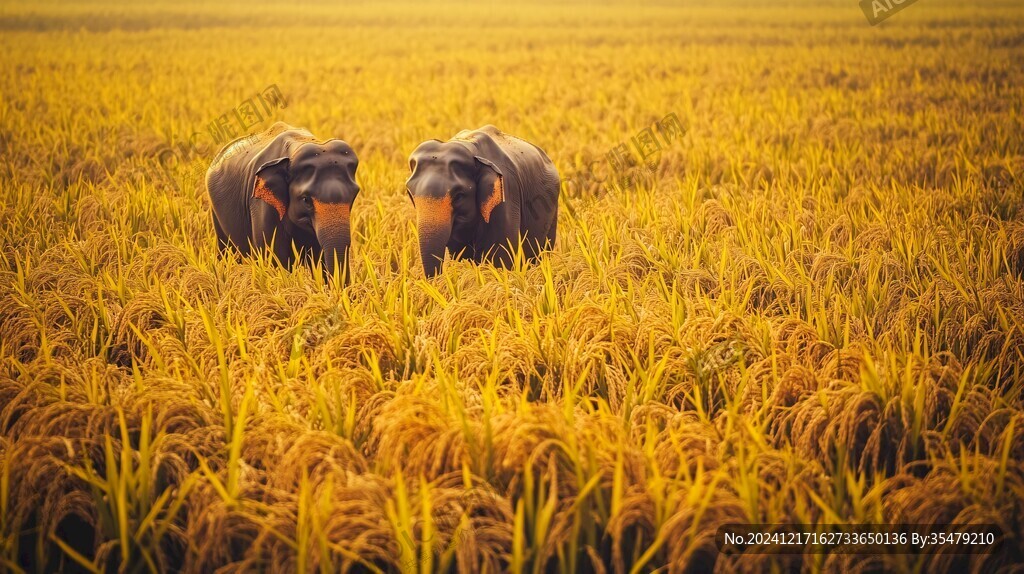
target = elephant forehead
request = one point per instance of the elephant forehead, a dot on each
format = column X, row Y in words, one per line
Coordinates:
column 340, row 146
column 428, row 147
column 327, row 153
column 431, row 209
column 441, row 152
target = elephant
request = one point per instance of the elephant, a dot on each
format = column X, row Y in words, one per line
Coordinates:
column 479, row 194
column 287, row 192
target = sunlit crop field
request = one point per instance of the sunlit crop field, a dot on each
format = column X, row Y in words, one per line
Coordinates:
column 808, row 307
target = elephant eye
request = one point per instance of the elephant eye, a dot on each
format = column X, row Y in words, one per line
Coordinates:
column 307, row 200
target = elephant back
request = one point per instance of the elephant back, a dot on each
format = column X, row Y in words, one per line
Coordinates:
column 530, row 167
column 233, row 171
column 249, row 146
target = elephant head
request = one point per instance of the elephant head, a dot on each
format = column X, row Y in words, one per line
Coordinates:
column 453, row 190
column 312, row 188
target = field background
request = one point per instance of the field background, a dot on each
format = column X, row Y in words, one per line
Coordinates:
column 813, row 310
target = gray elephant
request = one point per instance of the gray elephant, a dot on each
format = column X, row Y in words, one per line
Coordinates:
column 480, row 193
column 288, row 192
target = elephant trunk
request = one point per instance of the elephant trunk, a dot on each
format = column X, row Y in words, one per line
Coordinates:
column 333, row 233
column 434, row 223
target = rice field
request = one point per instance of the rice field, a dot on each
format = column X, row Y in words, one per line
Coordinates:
column 805, row 307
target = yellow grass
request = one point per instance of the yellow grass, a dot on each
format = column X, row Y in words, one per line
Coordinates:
column 812, row 312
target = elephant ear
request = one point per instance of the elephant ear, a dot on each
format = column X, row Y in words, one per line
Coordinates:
column 271, row 185
column 490, row 188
